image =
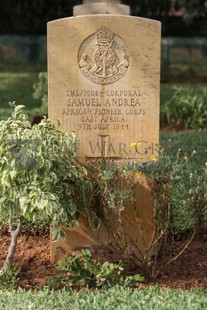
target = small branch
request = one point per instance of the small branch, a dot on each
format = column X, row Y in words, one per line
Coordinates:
column 163, row 232
column 182, row 251
column 10, row 220
column 178, row 255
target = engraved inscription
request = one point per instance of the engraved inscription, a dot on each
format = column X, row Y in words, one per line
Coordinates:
column 122, row 150
column 104, row 110
column 103, row 57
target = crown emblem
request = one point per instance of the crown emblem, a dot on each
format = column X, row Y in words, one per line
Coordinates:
column 104, row 35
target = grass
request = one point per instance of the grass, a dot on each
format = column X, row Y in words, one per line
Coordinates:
column 186, row 71
column 16, row 84
column 116, row 298
column 187, row 141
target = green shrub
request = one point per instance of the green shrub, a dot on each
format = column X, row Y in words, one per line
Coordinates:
column 37, row 169
column 37, row 174
column 82, row 270
column 186, row 110
column 193, row 180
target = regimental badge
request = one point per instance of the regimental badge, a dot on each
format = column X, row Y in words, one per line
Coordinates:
column 103, row 57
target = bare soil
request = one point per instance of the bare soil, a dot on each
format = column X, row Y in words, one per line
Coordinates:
column 33, row 257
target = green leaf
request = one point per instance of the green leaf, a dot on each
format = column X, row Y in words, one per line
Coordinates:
column 13, row 174
column 59, row 234
column 74, row 223
column 59, row 122
column 96, row 223
column 86, row 252
column 19, row 108
column 6, row 179
column 72, row 208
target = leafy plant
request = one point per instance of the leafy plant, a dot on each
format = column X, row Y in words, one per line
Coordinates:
column 167, row 177
column 110, row 187
column 9, row 279
column 188, row 110
column 83, row 270
column 197, row 199
column 37, row 174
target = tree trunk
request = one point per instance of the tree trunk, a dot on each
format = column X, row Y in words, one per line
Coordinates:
column 14, row 236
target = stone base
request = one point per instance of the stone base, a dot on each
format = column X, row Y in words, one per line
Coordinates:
column 101, row 8
column 138, row 225
column 77, row 238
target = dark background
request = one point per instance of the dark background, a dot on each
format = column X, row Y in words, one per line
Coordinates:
column 178, row 17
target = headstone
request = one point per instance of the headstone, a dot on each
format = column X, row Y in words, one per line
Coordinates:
column 104, row 83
